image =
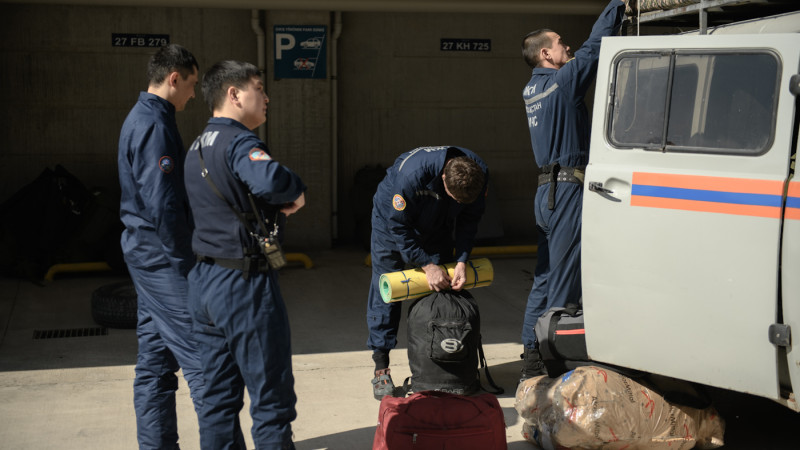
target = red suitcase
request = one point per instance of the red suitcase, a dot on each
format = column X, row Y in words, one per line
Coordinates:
column 431, row 420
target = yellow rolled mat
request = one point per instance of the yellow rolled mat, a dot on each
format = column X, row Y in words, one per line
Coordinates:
column 412, row 283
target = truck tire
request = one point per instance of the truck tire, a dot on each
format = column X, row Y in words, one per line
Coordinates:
column 114, row 305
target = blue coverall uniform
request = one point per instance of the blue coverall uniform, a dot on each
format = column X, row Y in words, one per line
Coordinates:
column 240, row 316
column 156, row 244
column 559, row 125
column 415, row 222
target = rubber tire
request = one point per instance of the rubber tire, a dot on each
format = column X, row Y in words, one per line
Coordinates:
column 114, row 305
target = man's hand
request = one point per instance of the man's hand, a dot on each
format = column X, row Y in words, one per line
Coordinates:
column 437, row 277
column 459, row 277
column 291, row 208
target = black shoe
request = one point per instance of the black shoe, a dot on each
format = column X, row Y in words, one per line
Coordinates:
column 532, row 365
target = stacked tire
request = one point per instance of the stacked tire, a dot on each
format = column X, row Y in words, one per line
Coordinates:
column 114, row 305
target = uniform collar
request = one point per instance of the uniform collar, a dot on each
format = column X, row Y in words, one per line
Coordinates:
column 544, row 71
column 227, row 121
column 157, row 101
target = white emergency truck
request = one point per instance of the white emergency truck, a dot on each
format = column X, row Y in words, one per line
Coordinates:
column 691, row 215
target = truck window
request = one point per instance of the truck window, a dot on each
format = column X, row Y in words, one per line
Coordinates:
column 690, row 101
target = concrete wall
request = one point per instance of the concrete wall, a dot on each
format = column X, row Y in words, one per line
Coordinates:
column 399, row 91
column 66, row 90
column 299, row 126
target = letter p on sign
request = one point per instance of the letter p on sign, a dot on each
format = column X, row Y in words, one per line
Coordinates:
column 284, row 41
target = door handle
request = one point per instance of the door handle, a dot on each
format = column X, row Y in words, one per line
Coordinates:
column 596, row 186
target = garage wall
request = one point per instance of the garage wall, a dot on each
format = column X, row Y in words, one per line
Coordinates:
column 299, row 127
column 399, row 91
column 66, row 92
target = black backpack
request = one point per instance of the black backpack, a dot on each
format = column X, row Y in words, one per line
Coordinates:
column 444, row 344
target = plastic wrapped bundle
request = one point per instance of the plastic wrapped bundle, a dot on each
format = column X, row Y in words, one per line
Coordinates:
column 593, row 408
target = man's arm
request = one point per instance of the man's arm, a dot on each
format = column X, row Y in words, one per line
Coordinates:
column 163, row 193
column 290, row 208
column 401, row 228
column 467, row 227
column 266, row 178
column 579, row 72
column 401, row 216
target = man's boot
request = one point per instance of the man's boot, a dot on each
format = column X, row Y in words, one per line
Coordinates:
column 382, row 384
column 532, row 365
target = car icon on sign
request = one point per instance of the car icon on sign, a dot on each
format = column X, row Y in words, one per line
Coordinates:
column 303, row 64
column 311, row 43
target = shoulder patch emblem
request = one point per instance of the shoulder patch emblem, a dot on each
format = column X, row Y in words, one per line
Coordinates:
column 398, row 202
column 166, row 164
column 257, row 154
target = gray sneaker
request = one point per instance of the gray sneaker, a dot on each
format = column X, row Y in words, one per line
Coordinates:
column 382, row 384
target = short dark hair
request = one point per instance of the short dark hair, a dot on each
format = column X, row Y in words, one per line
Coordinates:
column 168, row 59
column 464, row 179
column 223, row 75
column 533, row 42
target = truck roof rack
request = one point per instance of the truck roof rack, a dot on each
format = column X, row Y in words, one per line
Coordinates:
column 702, row 14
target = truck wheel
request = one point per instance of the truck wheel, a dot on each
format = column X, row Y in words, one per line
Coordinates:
column 114, row 305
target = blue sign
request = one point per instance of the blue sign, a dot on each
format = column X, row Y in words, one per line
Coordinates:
column 300, row 51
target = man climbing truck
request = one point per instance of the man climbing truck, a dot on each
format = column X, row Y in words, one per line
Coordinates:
column 691, row 216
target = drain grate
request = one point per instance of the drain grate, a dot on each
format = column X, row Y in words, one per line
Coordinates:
column 74, row 332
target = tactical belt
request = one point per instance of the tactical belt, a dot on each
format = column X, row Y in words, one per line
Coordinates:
column 247, row 265
column 553, row 174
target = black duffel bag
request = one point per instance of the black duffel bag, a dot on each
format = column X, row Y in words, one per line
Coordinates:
column 561, row 335
column 562, row 345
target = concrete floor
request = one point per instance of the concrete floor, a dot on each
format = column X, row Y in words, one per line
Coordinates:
column 76, row 393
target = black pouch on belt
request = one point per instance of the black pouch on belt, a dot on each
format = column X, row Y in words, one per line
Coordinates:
column 550, row 176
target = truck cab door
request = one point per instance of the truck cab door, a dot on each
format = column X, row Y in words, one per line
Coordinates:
column 683, row 218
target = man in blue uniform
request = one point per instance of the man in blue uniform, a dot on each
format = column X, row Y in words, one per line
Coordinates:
column 237, row 191
column 429, row 204
column 559, row 125
column 156, row 244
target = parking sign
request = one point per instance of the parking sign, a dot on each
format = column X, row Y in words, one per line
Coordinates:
column 300, row 51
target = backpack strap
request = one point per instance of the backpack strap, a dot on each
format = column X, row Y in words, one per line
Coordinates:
column 207, row 176
column 403, row 390
column 497, row 390
column 546, row 348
